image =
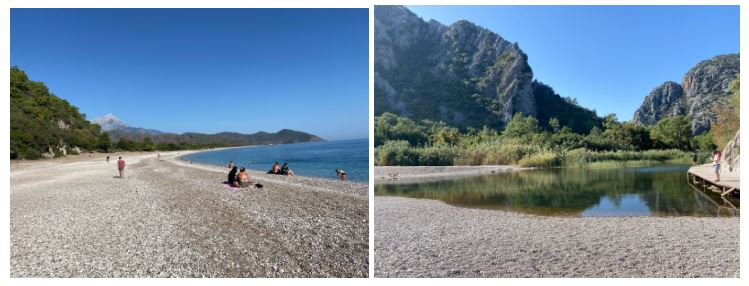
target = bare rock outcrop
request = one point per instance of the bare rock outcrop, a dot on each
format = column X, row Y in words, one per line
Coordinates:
column 704, row 87
column 664, row 101
column 731, row 155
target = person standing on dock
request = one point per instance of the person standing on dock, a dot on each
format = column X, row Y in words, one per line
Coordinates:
column 716, row 165
column 121, row 167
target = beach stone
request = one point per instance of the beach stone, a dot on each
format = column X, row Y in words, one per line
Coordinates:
column 77, row 219
column 427, row 238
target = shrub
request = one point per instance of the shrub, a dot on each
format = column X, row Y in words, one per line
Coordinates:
column 394, row 153
column 542, row 159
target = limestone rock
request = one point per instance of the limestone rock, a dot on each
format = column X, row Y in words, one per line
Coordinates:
column 704, row 87
column 461, row 74
column 666, row 100
column 731, row 155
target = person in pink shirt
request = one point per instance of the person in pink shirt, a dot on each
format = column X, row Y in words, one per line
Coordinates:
column 716, row 165
column 121, row 167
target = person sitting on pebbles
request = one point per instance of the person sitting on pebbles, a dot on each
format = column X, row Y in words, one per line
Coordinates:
column 275, row 170
column 231, row 179
column 285, row 170
column 243, row 178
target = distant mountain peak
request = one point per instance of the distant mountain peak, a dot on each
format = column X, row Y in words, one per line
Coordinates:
column 109, row 122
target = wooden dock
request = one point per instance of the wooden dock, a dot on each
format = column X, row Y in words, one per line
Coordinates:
column 703, row 175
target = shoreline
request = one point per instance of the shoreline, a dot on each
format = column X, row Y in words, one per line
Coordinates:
column 222, row 168
column 421, row 174
column 359, row 187
column 429, row 238
column 85, row 156
column 169, row 218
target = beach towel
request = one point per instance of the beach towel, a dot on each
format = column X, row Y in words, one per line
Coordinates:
column 256, row 185
column 226, row 185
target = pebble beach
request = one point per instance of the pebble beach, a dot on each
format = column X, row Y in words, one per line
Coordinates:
column 172, row 218
column 427, row 238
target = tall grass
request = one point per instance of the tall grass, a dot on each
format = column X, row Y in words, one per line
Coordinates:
column 507, row 152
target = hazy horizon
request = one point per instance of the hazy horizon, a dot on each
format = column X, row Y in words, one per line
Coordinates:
column 91, row 119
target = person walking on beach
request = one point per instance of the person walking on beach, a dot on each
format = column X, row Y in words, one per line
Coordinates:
column 230, row 165
column 107, row 158
column 716, row 165
column 121, row 167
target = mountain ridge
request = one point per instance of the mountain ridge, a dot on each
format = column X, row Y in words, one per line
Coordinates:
column 118, row 130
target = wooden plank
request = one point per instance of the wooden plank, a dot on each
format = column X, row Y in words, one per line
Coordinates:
column 706, row 175
column 727, row 192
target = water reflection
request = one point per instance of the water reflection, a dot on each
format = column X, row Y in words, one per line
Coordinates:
column 649, row 191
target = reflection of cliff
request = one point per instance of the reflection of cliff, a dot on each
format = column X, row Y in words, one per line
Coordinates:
column 566, row 192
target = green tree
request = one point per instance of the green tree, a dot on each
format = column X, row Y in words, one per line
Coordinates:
column 554, row 124
column 521, row 126
column 126, row 145
column 704, row 142
column 104, row 143
column 444, row 136
column 610, row 121
column 389, row 126
column 672, row 132
column 148, row 144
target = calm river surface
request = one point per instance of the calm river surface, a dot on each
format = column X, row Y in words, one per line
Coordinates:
column 647, row 191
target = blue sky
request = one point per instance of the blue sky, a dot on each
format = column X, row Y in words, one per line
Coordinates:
column 608, row 57
column 204, row 70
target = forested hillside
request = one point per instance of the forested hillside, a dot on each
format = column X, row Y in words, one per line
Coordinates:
column 44, row 124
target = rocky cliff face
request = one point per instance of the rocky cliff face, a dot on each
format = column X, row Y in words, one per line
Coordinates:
column 462, row 74
column 703, row 88
column 732, row 155
column 706, row 86
column 664, row 101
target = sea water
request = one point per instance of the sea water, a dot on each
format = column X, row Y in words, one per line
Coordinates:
column 313, row 159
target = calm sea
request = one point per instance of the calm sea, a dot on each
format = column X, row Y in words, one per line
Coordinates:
column 313, row 159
